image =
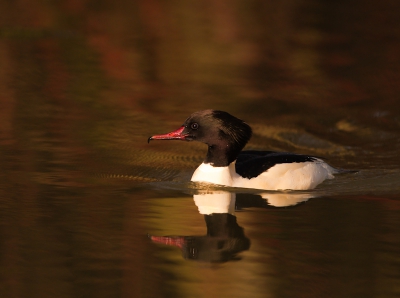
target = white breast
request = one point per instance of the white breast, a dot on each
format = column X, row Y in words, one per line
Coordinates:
column 295, row 176
column 217, row 175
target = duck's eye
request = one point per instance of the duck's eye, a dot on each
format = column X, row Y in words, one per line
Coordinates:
column 194, row 125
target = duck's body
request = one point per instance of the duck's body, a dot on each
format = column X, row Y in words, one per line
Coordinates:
column 226, row 164
column 296, row 176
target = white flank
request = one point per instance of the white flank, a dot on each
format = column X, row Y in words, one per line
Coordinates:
column 295, row 176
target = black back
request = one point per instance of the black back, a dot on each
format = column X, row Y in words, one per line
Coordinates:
column 251, row 163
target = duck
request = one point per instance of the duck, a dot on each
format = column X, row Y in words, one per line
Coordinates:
column 227, row 164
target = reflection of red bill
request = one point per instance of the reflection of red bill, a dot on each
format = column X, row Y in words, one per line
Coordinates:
column 172, row 241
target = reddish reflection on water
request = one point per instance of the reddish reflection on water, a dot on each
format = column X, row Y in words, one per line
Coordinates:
column 82, row 86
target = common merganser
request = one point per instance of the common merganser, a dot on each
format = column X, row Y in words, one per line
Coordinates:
column 226, row 164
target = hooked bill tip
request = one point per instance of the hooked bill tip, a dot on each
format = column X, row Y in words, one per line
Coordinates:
column 149, row 139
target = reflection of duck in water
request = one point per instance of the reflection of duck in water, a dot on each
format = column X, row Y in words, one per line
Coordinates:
column 226, row 163
column 224, row 238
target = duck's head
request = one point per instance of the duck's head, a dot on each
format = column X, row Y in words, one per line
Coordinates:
column 224, row 134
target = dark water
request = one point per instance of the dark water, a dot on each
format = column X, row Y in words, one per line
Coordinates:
column 85, row 201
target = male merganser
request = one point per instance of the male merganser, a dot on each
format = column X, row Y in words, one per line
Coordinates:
column 226, row 163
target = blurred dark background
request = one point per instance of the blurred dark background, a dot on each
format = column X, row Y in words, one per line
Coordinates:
column 84, row 83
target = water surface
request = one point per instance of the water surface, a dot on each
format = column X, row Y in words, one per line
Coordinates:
column 89, row 209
